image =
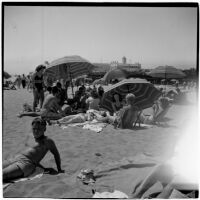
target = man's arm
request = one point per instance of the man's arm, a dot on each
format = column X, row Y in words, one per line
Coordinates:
column 52, row 147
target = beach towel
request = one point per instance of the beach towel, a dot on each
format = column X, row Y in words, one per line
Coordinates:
column 38, row 173
column 89, row 125
column 111, row 195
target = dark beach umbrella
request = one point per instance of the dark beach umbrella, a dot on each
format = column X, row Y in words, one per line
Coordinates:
column 114, row 74
column 68, row 67
column 166, row 72
column 6, row 75
column 144, row 91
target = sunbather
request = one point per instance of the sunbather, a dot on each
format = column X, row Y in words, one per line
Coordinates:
column 160, row 108
column 51, row 110
column 82, row 117
column 126, row 116
column 24, row 164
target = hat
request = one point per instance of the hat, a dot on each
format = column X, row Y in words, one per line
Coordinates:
column 40, row 67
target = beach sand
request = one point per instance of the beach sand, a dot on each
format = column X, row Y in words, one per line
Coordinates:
column 111, row 153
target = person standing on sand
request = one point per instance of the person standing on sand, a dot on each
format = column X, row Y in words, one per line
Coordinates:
column 23, row 81
column 38, row 85
column 24, row 164
column 18, row 81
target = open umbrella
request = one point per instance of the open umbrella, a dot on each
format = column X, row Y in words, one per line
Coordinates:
column 144, row 91
column 6, row 75
column 114, row 74
column 166, row 72
column 68, row 67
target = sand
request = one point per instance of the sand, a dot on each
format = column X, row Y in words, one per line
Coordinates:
column 111, row 153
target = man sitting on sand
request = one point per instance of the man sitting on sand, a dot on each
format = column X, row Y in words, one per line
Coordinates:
column 51, row 110
column 24, row 164
column 126, row 117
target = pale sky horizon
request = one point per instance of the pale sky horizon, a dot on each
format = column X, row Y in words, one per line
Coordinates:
column 152, row 36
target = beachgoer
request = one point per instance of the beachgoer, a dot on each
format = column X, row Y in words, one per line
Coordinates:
column 127, row 115
column 18, row 81
column 38, row 85
column 62, row 93
column 117, row 102
column 100, row 91
column 160, row 108
column 51, row 110
column 23, row 81
column 90, row 115
column 29, row 82
column 24, row 164
column 93, row 101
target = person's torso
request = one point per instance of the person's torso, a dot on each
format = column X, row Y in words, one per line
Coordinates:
column 36, row 153
column 38, row 80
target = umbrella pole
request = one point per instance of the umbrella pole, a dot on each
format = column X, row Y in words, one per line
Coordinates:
column 71, row 83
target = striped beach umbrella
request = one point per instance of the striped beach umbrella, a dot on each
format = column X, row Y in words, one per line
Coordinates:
column 68, row 67
column 144, row 91
column 166, row 72
column 114, row 74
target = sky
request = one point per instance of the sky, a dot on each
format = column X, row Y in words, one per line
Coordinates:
column 152, row 36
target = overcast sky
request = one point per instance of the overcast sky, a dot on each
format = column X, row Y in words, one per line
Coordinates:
column 152, row 36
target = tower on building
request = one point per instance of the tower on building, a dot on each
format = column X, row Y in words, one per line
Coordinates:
column 124, row 60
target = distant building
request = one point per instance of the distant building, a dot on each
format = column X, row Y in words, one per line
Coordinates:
column 124, row 65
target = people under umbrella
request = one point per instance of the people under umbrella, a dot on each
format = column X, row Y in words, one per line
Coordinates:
column 55, row 105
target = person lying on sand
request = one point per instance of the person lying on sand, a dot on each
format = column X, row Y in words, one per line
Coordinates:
column 51, row 109
column 90, row 115
column 24, row 164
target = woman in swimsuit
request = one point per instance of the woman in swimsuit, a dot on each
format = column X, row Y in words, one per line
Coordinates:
column 25, row 163
column 38, row 84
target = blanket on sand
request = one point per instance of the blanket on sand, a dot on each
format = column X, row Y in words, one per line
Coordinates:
column 90, row 125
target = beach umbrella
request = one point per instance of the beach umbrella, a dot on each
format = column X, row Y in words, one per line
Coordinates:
column 114, row 74
column 144, row 91
column 166, row 72
column 6, row 75
column 68, row 67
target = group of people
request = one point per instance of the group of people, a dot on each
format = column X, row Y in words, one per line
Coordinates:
column 24, row 81
column 55, row 107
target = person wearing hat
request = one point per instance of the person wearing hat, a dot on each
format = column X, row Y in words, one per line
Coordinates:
column 24, row 164
column 38, row 85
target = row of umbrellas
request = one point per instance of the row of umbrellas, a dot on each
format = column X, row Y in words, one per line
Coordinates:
column 166, row 72
column 71, row 67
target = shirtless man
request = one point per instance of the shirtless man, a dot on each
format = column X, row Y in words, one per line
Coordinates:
column 51, row 110
column 24, row 164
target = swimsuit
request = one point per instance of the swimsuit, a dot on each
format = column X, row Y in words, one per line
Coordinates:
column 38, row 83
column 24, row 163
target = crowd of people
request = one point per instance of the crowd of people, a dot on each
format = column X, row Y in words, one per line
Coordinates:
column 52, row 105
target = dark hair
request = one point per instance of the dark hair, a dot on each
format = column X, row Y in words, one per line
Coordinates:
column 54, row 90
column 94, row 94
column 40, row 67
column 58, row 84
column 49, row 89
column 40, row 121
